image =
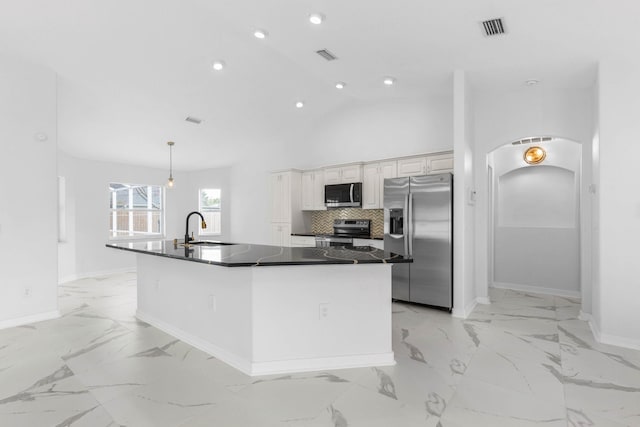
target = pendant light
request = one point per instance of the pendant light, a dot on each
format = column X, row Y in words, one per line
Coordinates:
column 170, row 181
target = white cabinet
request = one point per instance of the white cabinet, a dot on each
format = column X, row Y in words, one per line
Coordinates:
column 303, row 241
column 412, row 166
column 281, row 234
column 439, row 163
column 369, row 242
column 374, row 175
column 313, row 191
column 286, row 215
column 425, row 165
column 281, row 197
column 343, row 174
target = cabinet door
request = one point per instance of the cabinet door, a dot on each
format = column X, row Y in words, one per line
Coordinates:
column 281, row 234
column 303, row 241
column 308, row 191
column 318, row 191
column 440, row 163
column 351, row 174
column 371, row 187
column 387, row 170
column 281, row 197
column 412, row 166
column 332, row 176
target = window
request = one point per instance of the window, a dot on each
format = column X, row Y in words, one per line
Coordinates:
column 209, row 207
column 135, row 211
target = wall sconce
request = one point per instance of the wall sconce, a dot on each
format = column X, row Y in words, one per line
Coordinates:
column 534, row 155
column 170, row 181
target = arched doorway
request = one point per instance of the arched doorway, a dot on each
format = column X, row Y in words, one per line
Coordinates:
column 534, row 217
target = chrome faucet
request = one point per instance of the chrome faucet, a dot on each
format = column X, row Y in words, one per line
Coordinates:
column 187, row 239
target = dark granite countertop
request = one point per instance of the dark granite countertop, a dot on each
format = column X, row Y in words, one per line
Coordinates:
column 325, row 234
column 247, row 255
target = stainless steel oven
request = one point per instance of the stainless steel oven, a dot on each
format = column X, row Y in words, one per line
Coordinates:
column 344, row 231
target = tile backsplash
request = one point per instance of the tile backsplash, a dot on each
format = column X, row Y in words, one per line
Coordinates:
column 322, row 221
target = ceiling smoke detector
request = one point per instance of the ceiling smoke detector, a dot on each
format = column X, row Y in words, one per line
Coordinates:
column 493, row 27
column 326, row 54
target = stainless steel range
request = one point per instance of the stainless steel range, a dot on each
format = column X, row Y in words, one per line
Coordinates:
column 344, row 231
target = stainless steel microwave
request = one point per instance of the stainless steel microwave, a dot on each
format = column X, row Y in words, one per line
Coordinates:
column 343, row 195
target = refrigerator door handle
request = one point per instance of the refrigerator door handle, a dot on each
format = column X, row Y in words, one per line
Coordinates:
column 410, row 224
column 405, row 228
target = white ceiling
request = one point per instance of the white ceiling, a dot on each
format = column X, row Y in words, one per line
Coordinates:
column 130, row 72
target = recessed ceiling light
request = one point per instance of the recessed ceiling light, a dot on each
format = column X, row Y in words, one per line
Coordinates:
column 260, row 34
column 316, row 18
column 218, row 65
column 340, row 85
column 299, row 104
column 389, row 81
column 532, row 82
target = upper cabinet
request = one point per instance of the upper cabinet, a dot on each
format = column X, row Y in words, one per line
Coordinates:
column 373, row 183
column 343, row 174
column 425, row 165
column 412, row 166
column 313, row 191
column 281, row 197
column 439, row 163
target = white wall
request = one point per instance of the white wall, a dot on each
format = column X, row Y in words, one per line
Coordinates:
column 464, row 292
column 591, row 301
column 504, row 116
column 28, row 194
column 358, row 131
column 619, row 206
column 372, row 130
column 84, row 253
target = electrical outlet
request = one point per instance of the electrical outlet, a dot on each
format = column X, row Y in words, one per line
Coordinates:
column 27, row 292
column 157, row 285
column 323, row 310
column 212, row 303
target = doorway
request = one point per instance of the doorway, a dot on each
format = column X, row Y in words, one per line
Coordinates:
column 534, row 212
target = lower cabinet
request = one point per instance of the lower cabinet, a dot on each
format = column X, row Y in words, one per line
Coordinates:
column 375, row 243
column 303, row 241
column 281, row 233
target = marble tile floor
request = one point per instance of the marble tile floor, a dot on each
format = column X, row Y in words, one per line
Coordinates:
column 524, row 360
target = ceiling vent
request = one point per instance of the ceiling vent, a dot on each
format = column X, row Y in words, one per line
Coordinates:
column 532, row 140
column 493, row 27
column 194, row 120
column 326, row 54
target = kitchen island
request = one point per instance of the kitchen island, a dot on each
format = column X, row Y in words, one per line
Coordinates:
column 269, row 309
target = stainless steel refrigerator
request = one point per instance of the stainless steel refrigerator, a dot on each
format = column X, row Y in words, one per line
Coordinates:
column 418, row 221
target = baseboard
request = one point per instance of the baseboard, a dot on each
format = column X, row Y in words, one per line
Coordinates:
column 537, row 289
column 27, row 320
column 609, row 339
column 466, row 311
column 322, row 364
column 483, row 300
column 586, row 317
column 274, row 367
column 79, row 276
column 227, row 357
